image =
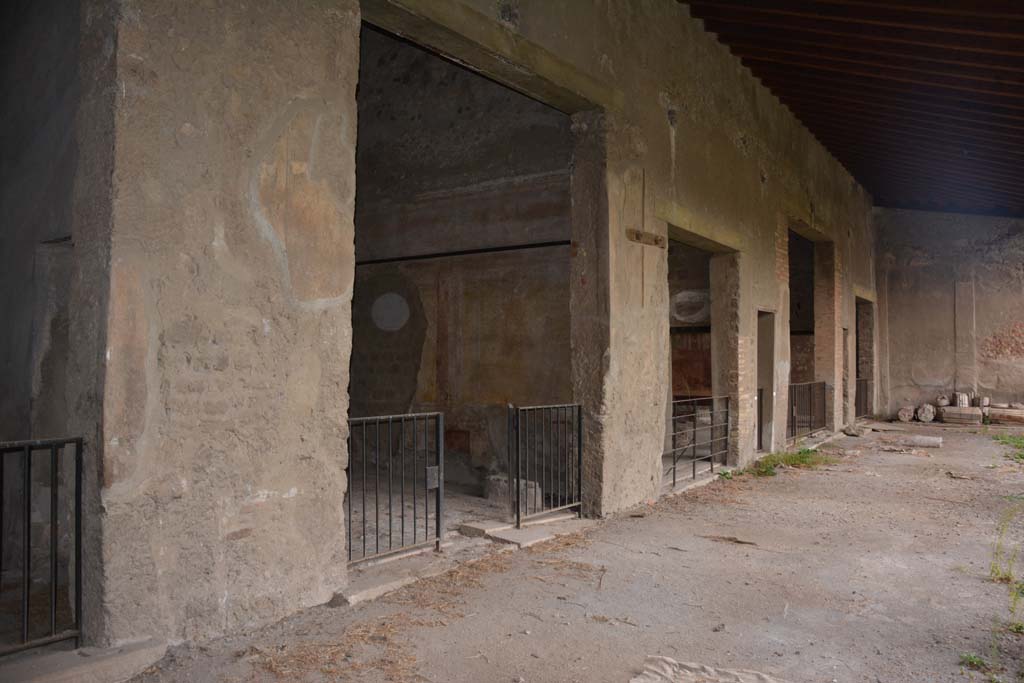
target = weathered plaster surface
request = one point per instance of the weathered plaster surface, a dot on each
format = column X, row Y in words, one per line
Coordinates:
column 228, row 329
column 695, row 139
column 952, row 305
column 219, row 226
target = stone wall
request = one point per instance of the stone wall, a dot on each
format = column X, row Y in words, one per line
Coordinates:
column 700, row 151
column 214, row 257
column 221, row 470
column 952, row 288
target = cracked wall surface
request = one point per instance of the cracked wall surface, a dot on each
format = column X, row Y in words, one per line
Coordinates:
column 228, row 326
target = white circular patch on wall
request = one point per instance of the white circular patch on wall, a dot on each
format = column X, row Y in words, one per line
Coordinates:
column 390, row 312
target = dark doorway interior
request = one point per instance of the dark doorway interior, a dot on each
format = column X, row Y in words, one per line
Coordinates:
column 865, row 356
column 801, row 309
column 689, row 285
column 461, row 301
column 765, row 379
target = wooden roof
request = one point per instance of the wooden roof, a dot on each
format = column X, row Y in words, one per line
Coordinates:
column 921, row 100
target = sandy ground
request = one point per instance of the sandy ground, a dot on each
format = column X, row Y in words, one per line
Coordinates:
column 875, row 568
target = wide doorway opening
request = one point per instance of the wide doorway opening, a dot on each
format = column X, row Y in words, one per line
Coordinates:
column 807, row 405
column 865, row 358
column 461, row 301
column 765, row 380
column 697, row 426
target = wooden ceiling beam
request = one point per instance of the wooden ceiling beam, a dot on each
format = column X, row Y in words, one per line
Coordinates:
column 976, row 204
column 981, row 75
column 1002, row 90
column 991, row 9
column 973, row 177
column 809, row 96
column 931, row 188
column 876, row 128
column 869, row 167
column 850, row 82
column 715, row 20
column 878, row 19
column 836, row 141
column 815, row 44
column 862, row 115
column 802, row 102
column 872, row 90
column 841, row 148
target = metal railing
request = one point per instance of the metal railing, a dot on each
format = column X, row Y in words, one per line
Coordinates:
column 545, row 460
column 760, row 419
column 36, row 540
column 699, row 432
column 864, row 399
column 395, row 498
column 807, row 408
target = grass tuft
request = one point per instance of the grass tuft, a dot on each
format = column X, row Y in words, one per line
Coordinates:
column 805, row 458
column 973, row 662
column 1014, row 441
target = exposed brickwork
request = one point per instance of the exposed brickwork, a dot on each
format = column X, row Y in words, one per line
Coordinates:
column 828, row 346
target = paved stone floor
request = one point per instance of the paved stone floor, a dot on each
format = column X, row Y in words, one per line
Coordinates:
column 874, row 568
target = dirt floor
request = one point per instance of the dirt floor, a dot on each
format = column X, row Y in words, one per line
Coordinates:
column 874, row 568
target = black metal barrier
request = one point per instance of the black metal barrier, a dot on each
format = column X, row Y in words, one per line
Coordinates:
column 395, row 498
column 863, row 404
column 807, row 407
column 699, row 432
column 545, row 459
column 47, row 577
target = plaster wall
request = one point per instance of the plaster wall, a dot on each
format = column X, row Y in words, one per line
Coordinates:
column 952, row 305
column 221, row 452
column 210, row 297
column 694, row 144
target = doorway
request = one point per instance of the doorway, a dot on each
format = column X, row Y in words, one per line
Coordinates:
column 765, row 395
column 461, row 301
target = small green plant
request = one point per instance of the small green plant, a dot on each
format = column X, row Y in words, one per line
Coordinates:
column 1014, row 441
column 973, row 662
column 1003, row 560
column 805, row 458
column 725, row 474
column 1015, row 627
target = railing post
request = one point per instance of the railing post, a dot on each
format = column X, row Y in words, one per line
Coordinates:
column 3, row 461
column 579, row 458
column 439, row 513
column 79, row 455
column 517, row 481
column 26, row 578
column 711, row 437
column 53, row 540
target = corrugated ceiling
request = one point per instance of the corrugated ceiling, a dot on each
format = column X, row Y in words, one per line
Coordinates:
column 922, row 100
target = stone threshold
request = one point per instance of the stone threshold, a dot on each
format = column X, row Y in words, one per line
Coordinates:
column 84, row 665
column 471, row 542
